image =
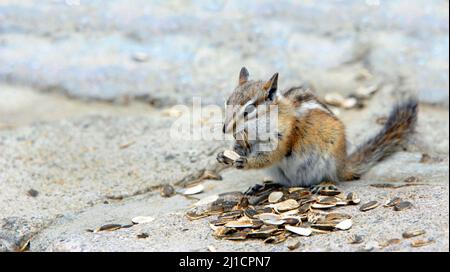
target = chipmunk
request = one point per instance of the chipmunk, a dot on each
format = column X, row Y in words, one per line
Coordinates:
column 311, row 143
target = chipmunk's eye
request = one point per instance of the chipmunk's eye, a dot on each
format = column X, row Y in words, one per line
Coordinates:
column 249, row 109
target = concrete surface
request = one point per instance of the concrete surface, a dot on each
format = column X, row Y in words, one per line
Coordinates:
column 85, row 117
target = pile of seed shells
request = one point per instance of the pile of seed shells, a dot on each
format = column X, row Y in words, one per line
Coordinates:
column 275, row 213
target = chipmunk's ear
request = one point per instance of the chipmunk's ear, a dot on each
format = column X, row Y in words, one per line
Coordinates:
column 271, row 87
column 243, row 76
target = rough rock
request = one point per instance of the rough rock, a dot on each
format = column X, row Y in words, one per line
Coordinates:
column 75, row 163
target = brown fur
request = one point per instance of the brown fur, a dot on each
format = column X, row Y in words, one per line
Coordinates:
column 318, row 129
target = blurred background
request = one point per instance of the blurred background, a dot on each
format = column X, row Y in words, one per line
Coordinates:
column 87, row 89
column 163, row 53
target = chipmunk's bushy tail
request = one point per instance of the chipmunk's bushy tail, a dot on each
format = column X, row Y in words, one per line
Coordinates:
column 399, row 126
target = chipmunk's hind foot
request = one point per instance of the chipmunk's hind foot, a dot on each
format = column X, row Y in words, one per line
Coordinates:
column 328, row 185
column 259, row 189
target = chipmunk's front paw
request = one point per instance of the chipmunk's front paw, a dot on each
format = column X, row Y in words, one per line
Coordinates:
column 253, row 190
column 240, row 163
